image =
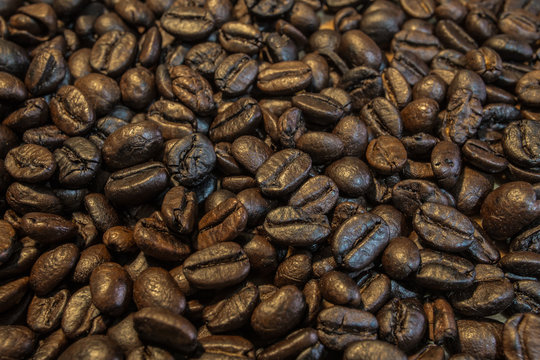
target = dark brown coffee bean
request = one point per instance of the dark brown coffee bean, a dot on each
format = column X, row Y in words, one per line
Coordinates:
column 241, row 118
column 218, row 266
column 371, row 350
column 386, row 154
column 232, row 312
column 192, row 89
column 154, row 239
column 17, row 341
column 156, row 287
column 339, row 327
column 441, row 321
column 52, row 267
column 45, row 313
column 161, row 326
column 113, row 53
column 442, row 271
column 279, row 313
column 90, row 259
column 81, row 316
column 284, row 78
column 110, row 286
column 223, row 223
column 30, row 163
column 359, row 240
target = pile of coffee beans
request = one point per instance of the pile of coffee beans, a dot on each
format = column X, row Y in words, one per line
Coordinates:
column 270, row 179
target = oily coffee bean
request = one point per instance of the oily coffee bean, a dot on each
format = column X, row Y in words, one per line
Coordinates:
column 318, row 108
column 173, row 119
column 442, row 271
column 111, row 288
column 402, row 322
column 223, row 223
column 72, row 111
column 113, row 53
column 179, row 210
column 371, row 350
column 45, row 313
column 295, row 227
column 52, row 267
column 338, row 327
column 359, row 240
column 77, row 161
column 240, row 118
column 516, row 336
column 166, row 328
column 189, row 159
column 237, row 37
column 136, row 184
column 235, row 74
column 156, row 287
column 81, row 316
column 441, row 321
column 218, row 266
column 17, row 341
column 46, row 228
column 30, row 163
column 232, row 312
column 188, row 23
column 90, row 258
column 284, row 78
column 279, row 313
column 192, row 89
column 154, row 239
column 400, row 258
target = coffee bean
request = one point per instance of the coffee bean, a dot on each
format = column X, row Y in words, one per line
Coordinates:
column 188, row 23
column 52, row 267
column 218, row 266
column 81, row 316
column 279, row 313
column 113, row 53
column 359, row 240
column 156, row 287
column 442, row 271
column 223, row 223
column 154, row 239
column 402, row 322
column 241, row 118
column 30, row 163
column 284, row 78
column 17, row 341
column 339, row 327
column 96, row 346
column 371, row 350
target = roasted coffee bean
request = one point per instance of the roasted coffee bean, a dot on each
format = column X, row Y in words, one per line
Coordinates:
column 34, row 113
column 400, row 258
column 111, row 288
column 283, row 172
column 78, row 161
column 409, row 195
column 424, row 45
column 137, row 184
column 17, row 341
column 516, row 336
column 441, row 321
column 382, row 118
column 47, row 228
column 173, row 119
column 491, row 293
column 232, row 312
column 45, row 313
column 522, row 263
column 318, row 195
column 205, row 57
column 371, row 350
column 351, row 175
column 507, row 209
column 293, row 345
column 279, row 313
column 443, row 227
column 179, row 210
column 321, row 146
column 402, row 322
column 90, row 258
column 30, row 163
column 92, row 347
column 81, row 316
column 71, row 111
column 189, row 159
column 338, row 327
column 519, row 145
column 283, row 78
column 235, row 74
column 103, row 215
column 40, row 80
column 156, row 287
column 101, row 92
column 192, row 89
column 359, row 240
column 481, row 338
column 440, row 271
column 386, row 155
column 237, row 37
column 218, row 266
column 223, row 223
column 318, row 108
column 52, row 267
column 188, row 23
column 154, row 239
column 353, row 134
column 240, row 118
column 113, row 53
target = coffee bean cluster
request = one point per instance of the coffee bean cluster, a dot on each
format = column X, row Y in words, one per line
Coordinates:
column 270, row 179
